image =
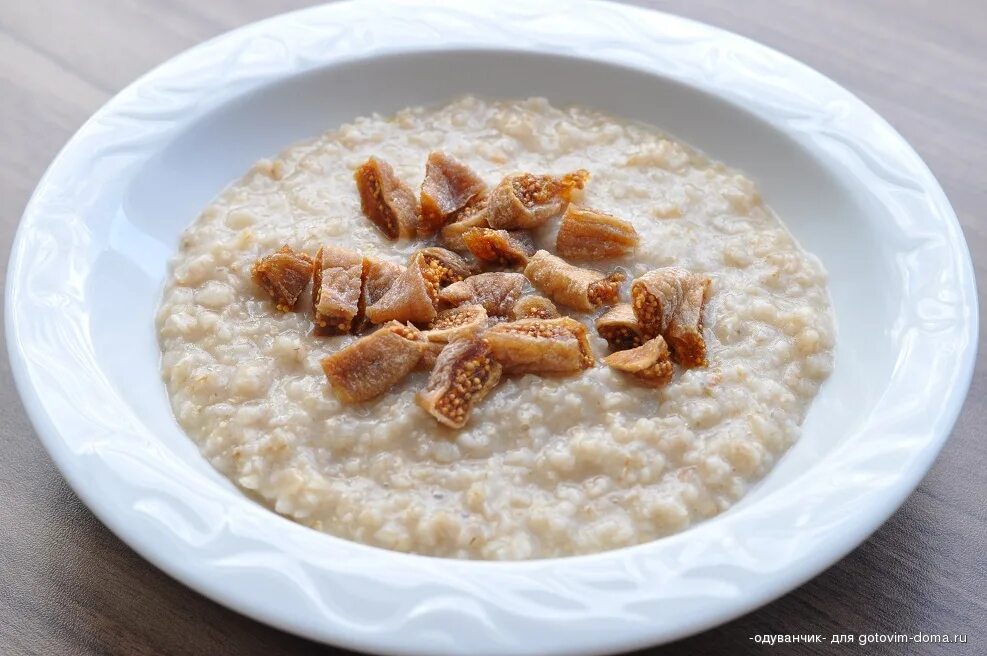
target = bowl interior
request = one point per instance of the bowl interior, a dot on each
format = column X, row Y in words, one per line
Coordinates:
column 819, row 206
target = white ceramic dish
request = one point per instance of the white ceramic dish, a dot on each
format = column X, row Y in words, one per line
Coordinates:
column 91, row 251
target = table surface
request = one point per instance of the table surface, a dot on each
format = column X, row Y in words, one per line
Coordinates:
column 71, row 587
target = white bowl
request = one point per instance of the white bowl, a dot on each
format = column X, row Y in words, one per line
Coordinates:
column 90, row 257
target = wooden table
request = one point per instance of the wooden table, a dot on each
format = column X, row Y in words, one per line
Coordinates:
column 70, row 587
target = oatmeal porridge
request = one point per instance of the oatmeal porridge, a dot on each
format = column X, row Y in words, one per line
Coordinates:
column 578, row 334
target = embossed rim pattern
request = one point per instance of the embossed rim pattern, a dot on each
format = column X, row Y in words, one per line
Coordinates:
column 360, row 597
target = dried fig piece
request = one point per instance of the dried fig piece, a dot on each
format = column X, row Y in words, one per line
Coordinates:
column 374, row 364
column 386, row 201
column 378, row 276
column 650, row 363
column 503, row 247
column 669, row 302
column 464, row 374
column 457, row 322
column 685, row 331
column 572, row 286
column 534, row 307
column 411, row 297
column 590, row 235
column 441, row 267
column 606, row 291
column 474, row 215
column 284, row 275
column 337, row 277
column 620, row 328
column 448, row 187
column 496, row 292
column 542, row 346
column 523, row 201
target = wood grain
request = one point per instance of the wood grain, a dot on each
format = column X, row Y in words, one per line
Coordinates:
column 71, row 587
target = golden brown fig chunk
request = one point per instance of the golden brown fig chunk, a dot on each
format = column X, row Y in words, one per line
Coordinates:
column 373, row 364
column 441, row 267
column 474, row 215
column 669, row 302
column 457, row 322
column 542, row 346
column 572, row 286
column 650, row 363
column 337, row 277
column 378, row 276
column 448, row 187
column 411, row 297
column 496, row 292
column 284, row 275
column 590, row 235
column 619, row 327
column 385, row 200
column 506, row 248
column 524, row 201
column 534, row 307
column 464, row 373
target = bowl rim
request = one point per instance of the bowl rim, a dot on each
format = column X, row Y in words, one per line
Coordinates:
column 655, row 33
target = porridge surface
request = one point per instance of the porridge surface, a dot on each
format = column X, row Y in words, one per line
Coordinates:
column 546, row 466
